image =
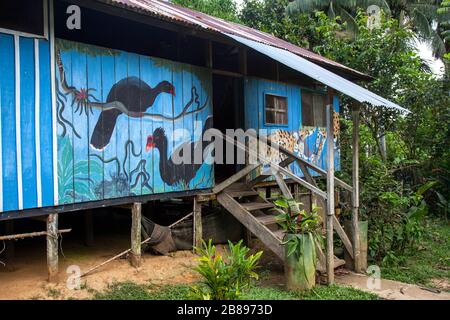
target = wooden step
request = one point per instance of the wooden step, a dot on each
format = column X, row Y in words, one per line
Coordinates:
column 243, row 193
column 252, row 206
column 267, row 219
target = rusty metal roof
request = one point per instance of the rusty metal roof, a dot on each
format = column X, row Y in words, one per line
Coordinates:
column 168, row 11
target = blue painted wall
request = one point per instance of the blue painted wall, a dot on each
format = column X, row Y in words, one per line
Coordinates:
column 89, row 81
column 310, row 143
column 21, row 176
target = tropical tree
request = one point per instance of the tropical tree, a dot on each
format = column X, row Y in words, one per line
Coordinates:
column 225, row 9
column 419, row 15
column 346, row 9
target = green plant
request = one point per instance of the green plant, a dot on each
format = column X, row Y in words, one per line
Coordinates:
column 224, row 278
column 297, row 223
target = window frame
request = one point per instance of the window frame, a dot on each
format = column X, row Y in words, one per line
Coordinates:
column 45, row 17
column 267, row 124
column 312, row 92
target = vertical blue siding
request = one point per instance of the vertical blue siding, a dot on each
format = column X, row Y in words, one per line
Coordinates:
column 8, row 114
column 27, row 123
column 255, row 90
column 45, row 124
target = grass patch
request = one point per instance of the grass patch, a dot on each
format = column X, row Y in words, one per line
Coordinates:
column 132, row 291
column 430, row 261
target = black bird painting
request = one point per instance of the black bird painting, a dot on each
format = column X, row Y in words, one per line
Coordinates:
column 177, row 173
column 130, row 95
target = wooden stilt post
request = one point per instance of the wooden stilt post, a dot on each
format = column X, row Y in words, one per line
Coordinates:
column 88, row 228
column 355, row 193
column 52, row 247
column 330, row 188
column 198, row 230
column 135, row 256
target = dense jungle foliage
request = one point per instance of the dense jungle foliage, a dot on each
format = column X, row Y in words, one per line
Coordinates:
column 404, row 158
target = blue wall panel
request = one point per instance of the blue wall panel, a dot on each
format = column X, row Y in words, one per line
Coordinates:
column 27, row 123
column 8, row 115
column 45, row 125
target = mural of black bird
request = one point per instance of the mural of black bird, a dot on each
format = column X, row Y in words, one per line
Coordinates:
column 173, row 173
column 131, row 95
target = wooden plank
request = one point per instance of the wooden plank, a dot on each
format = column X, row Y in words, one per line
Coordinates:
column 253, row 206
column 45, row 118
column 52, row 247
column 341, row 233
column 7, row 102
column 355, row 193
column 330, row 191
column 198, row 228
column 27, row 123
column 80, row 150
column 251, row 223
column 135, row 256
column 96, row 166
column 267, row 219
column 36, row 212
column 236, row 177
column 242, row 193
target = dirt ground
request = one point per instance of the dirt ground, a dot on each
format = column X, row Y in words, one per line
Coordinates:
column 29, row 278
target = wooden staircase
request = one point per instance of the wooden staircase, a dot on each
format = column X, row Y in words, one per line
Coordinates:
column 253, row 211
column 239, row 197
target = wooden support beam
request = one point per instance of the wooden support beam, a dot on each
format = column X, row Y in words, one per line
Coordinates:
column 52, row 247
column 355, row 193
column 243, row 61
column 88, row 228
column 286, row 192
column 330, row 189
column 341, row 233
column 135, row 256
column 198, row 228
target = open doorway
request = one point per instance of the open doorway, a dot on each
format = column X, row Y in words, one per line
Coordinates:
column 228, row 106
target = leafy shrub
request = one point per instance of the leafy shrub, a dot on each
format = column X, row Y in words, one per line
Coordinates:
column 224, row 279
column 297, row 223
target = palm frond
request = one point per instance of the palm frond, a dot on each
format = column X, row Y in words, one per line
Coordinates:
column 421, row 24
column 428, row 10
column 351, row 24
column 307, row 5
column 437, row 45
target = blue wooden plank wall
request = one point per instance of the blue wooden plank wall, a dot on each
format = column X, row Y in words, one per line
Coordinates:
column 308, row 142
column 120, row 117
column 26, row 168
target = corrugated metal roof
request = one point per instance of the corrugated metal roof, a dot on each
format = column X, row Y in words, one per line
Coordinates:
column 169, row 11
column 320, row 74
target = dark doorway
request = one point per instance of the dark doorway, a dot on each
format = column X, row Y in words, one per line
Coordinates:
column 228, row 105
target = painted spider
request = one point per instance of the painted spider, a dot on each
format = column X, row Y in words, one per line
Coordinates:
column 83, row 100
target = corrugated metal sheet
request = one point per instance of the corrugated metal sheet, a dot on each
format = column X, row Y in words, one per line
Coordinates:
column 320, row 74
column 171, row 12
column 290, row 55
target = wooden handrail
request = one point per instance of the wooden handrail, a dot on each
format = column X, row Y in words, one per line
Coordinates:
column 276, row 167
column 319, row 170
